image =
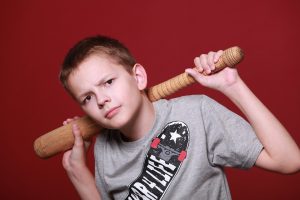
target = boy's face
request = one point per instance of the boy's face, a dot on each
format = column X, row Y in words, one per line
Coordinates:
column 106, row 91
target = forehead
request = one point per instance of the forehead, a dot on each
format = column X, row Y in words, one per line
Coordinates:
column 99, row 65
column 93, row 69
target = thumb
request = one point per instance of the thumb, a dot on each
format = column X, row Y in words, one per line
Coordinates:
column 78, row 147
column 196, row 75
column 77, row 135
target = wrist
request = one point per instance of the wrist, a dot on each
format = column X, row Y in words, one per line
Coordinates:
column 77, row 171
column 84, row 182
column 232, row 86
column 239, row 94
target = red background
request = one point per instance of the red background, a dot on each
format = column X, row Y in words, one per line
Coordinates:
column 164, row 36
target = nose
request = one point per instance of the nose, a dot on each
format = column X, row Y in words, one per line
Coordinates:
column 101, row 101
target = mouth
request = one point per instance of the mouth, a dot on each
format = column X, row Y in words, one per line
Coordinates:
column 112, row 112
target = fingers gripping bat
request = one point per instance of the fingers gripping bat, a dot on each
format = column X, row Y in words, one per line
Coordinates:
column 62, row 139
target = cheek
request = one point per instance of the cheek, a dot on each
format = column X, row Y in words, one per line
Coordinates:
column 127, row 95
column 91, row 108
column 122, row 91
column 86, row 111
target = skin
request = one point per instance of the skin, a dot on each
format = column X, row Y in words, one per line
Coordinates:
column 115, row 99
column 281, row 153
column 134, row 114
column 112, row 96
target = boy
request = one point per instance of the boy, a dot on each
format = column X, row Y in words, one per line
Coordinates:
column 195, row 137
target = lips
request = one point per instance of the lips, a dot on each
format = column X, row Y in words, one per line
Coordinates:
column 112, row 112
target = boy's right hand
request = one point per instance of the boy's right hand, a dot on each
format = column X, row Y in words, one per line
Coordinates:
column 74, row 162
column 74, row 159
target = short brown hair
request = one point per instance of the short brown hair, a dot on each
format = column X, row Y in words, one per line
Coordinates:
column 95, row 45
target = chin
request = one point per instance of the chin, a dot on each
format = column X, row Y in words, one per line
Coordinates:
column 113, row 124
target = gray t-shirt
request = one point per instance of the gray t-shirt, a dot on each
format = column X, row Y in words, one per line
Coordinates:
column 182, row 157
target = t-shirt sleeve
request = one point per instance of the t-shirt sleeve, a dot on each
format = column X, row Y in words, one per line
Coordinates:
column 231, row 141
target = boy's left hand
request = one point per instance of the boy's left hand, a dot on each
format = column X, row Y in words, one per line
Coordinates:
column 205, row 63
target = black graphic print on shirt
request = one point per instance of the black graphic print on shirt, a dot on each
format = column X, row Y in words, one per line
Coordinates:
column 163, row 160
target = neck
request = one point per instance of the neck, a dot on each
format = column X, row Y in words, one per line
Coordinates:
column 142, row 123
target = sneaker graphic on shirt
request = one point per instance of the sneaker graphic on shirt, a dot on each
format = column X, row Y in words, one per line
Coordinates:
column 163, row 160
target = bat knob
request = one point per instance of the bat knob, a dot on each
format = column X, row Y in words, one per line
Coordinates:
column 231, row 57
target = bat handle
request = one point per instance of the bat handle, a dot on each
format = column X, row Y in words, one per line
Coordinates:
column 230, row 57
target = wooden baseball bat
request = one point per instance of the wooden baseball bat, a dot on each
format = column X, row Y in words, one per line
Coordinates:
column 62, row 139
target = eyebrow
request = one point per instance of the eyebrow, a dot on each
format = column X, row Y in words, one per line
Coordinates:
column 99, row 82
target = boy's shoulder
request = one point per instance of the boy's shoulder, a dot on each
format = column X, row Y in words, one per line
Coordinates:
column 189, row 103
column 191, row 99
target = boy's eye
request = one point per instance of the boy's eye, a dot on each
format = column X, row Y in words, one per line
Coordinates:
column 109, row 82
column 86, row 99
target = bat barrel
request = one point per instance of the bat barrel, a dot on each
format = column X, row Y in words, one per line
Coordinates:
column 62, row 139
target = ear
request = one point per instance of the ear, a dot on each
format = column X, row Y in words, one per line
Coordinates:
column 140, row 75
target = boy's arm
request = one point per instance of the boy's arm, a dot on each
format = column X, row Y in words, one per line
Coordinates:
column 280, row 153
column 74, row 162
